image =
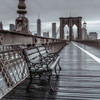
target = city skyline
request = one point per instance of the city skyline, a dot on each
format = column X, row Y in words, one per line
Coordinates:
column 88, row 9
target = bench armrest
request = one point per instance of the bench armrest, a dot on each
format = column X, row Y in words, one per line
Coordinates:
column 39, row 65
column 52, row 56
column 48, row 59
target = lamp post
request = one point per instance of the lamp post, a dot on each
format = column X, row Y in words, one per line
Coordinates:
column 22, row 23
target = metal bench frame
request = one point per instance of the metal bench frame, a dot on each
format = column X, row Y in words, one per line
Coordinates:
column 43, row 66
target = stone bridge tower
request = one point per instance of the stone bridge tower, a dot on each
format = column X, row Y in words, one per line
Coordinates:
column 70, row 21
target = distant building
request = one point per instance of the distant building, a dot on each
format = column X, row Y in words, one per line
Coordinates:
column 1, row 26
column 84, row 32
column 46, row 34
column 39, row 27
column 53, row 30
column 93, row 36
column 12, row 27
column 35, row 34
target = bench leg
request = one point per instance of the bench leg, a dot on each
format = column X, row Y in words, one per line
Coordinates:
column 57, row 76
column 59, row 65
column 57, row 73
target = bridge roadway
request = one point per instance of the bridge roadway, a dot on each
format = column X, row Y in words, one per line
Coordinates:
column 79, row 78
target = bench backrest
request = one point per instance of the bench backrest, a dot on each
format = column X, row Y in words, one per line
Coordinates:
column 32, row 55
column 43, row 51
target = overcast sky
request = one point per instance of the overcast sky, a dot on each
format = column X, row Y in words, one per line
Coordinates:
column 51, row 10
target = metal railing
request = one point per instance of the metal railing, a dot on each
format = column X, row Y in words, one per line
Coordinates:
column 95, row 43
column 13, row 67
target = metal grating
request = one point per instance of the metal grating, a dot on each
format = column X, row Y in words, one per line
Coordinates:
column 13, row 68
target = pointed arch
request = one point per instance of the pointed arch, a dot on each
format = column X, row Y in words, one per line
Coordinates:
column 75, row 31
column 66, row 32
column 70, row 21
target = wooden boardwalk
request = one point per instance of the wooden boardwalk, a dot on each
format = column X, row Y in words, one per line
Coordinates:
column 79, row 78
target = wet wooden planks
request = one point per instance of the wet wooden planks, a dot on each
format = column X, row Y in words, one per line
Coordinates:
column 79, row 79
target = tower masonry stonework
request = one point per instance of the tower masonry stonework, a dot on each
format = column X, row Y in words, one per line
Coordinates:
column 70, row 21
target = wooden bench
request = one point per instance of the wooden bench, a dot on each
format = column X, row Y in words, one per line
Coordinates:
column 41, row 63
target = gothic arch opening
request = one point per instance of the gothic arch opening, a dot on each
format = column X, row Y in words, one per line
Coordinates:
column 75, row 32
column 66, row 32
column 70, row 21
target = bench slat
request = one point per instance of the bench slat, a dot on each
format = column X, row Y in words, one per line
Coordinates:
column 41, row 48
column 30, row 51
column 33, row 56
column 36, row 60
column 42, row 52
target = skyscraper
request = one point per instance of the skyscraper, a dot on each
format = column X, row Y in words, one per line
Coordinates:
column 1, row 25
column 53, row 30
column 46, row 34
column 93, row 35
column 39, row 26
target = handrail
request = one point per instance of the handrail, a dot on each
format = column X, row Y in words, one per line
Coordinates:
column 13, row 37
column 95, row 43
